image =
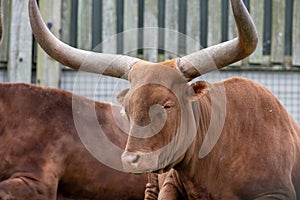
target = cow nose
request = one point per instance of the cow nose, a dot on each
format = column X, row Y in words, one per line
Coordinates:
column 131, row 158
column 135, row 158
column 139, row 162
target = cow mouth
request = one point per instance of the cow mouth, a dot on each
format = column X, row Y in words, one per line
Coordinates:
column 139, row 163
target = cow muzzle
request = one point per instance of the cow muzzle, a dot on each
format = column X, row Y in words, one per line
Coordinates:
column 139, row 162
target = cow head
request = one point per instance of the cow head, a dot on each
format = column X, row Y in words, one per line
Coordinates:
column 160, row 103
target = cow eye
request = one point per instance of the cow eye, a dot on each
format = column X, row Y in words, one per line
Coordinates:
column 168, row 106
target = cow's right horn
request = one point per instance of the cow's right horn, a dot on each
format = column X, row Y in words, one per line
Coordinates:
column 106, row 64
column 226, row 53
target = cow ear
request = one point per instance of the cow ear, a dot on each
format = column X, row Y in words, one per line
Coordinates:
column 200, row 89
column 121, row 95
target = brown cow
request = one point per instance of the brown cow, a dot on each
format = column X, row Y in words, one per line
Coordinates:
column 42, row 155
column 227, row 140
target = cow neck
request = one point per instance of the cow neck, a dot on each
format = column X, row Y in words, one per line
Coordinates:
column 190, row 169
column 191, row 157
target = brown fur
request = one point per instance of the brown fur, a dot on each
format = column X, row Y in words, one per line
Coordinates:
column 42, row 156
column 256, row 157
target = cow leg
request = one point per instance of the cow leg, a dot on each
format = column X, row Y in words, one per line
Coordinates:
column 169, row 192
column 171, row 187
column 25, row 187
column 151, row 192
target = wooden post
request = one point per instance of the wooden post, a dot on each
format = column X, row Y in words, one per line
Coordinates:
column 66, row 21
column 131, row 25
column 109, row 43
column 214, row 35
column 232, row 31
column 257, row 14
column 296, row 34
column 84, row 38
column 4, row 46
column 278, row 31
column 66, row 17
column 20, row 50
column 171, row 21
column 48, row 70
column 151, row 30
column 193, row 26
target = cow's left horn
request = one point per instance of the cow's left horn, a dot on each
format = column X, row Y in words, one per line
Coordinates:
column 226, row 53
column 106, row 64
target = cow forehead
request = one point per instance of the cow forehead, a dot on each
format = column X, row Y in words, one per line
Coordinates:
column 153, row 81
column 155, row 74
column 151, row 93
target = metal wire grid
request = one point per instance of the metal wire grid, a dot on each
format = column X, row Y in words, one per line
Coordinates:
column 93, row 86
column 3, row 75
column 285, row 85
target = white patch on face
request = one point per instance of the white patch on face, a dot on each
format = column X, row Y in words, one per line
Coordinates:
column 123, row 112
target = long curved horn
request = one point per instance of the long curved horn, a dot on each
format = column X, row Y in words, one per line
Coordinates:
column 106, row 64
column 226, row 53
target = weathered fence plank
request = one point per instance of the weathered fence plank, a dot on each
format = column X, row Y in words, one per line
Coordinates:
column 109, row 24
column 66, row 15
column 84, row 33
column 232, row 32
column 214, row 33
column 20, row 48
column 66, row 20
column 16, row 47
column 130, row 24
column 6, row 32
column 278, row 31
column 193, row 26
column 296, row 33
column 171, row 23
column 151, row 30
column 257, row 13
column 48, row 70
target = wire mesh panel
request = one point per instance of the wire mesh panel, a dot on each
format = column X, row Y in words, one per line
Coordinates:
column 93, row 86
column 285, row 85
column 3, row 75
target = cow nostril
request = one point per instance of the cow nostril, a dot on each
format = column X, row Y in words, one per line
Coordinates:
column 130, row 158
column 136, row 159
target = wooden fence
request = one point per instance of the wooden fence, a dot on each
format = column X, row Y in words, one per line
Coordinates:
column 87, row 23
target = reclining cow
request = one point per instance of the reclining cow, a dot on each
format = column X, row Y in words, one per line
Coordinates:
column 42, row 157
column 227, row 140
